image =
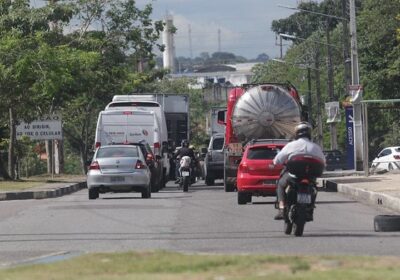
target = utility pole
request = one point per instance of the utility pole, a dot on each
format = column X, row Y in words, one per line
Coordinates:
column 219, row 40
column 331, row 92
column 346, row 46
column 190, row 42
column 320, row 140
column 309, row 99
column 356, row 100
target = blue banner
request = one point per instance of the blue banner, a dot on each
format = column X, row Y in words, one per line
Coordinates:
column 349, row 137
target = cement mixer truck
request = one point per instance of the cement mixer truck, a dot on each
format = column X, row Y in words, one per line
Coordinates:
column 256, row 111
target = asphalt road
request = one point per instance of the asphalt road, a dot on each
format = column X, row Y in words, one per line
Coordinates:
column 204, row 220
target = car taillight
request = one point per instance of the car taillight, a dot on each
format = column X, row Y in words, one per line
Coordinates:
column 94, row 166
column 156, row 148
column 98, row 144
column 140, row 165
column 243, row 168
column 396, row 157
column 149, row 157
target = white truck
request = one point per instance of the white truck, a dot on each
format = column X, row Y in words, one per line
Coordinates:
column 174, row 106
column 128, row 126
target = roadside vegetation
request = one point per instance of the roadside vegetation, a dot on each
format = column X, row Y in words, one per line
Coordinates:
column 165, row 265
column 378, row 36
column 49, row 63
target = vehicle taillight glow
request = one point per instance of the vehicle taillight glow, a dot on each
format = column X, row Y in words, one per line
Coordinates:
column 98, row 144
column 140, row 165
column 396, row 157
column 243, row 168
column 149, row 157
column 94, row 166
column 157, row 145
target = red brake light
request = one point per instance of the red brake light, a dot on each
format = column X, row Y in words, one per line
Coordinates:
column 157, row 145
column 243, row 168
column 98, row 144
column 140, row 165
column 149, row 157
column 396, row 157
column 94, row 166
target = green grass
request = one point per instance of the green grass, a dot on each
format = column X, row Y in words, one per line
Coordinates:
column 36, row 181
column 165, row 265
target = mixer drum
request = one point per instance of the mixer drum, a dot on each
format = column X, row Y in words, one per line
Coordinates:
column 266, row 112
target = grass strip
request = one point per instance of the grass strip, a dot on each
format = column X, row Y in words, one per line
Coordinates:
column 167, row 265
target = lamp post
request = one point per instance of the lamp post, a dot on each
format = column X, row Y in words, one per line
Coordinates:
column 356, row 100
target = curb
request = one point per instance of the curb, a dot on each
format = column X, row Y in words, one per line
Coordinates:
column 42, row 194
column 374, row 198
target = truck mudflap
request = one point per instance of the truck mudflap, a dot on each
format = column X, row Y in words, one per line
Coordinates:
column 231, row 163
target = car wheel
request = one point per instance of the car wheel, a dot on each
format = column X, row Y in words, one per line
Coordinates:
column 387, row 223
column 209, row 181
column 147, row 192
column 242, row 198
column 93, row 193
column 390, row 167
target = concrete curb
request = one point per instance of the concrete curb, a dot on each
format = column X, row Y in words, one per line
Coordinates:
column 359, row 194
column 41, row 194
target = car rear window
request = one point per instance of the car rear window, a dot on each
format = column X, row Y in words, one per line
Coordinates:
column 117, row 152
column 262, row 153
column 218, row 144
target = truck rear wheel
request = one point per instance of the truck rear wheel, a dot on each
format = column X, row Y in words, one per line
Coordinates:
column 209, row 181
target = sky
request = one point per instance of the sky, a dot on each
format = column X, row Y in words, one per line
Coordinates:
column 245, row 25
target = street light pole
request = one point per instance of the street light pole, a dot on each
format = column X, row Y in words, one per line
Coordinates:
column 356, row 100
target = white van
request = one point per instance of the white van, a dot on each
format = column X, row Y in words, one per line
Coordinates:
column 144, row 103
column 128, row 126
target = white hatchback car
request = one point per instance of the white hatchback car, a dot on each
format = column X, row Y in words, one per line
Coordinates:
column 387, row 159
column 118, row 168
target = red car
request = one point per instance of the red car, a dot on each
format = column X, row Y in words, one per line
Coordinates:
column 256, row 174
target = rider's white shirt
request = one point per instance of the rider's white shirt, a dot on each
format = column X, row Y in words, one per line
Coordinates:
column 299, row 146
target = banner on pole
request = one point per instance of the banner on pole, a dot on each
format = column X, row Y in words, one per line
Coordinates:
column 332, row 112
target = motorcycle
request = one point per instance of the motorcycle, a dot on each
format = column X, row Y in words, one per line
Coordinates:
column 185, row 173
column 301, row 192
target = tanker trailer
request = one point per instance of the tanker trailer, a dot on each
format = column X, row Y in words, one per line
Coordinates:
column 257, row 111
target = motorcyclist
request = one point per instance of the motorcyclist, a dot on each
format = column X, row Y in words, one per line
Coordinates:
column 183, row 151
column 302, row 145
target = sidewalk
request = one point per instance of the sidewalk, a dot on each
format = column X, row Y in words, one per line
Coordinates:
column 381, row 190
column 47, row 190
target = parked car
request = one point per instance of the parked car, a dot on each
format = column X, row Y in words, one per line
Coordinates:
column 334, row 160
column 387, row 159
column 119, row 168
column 214, row 159
column 257, row 176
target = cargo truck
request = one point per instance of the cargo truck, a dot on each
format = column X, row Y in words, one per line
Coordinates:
column 256, row 111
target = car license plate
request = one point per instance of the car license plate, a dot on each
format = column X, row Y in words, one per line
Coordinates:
column 117, row 179
column 304, row 198
column 269, row 182
column 185, row 173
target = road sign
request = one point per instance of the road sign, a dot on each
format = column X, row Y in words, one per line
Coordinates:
column 45, row 128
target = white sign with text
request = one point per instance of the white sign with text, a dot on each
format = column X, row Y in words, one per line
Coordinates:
column 47, row 127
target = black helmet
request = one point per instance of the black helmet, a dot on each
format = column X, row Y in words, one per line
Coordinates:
column 185, row 143
column 303, row 129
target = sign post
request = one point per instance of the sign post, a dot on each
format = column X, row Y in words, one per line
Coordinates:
column 48, row 127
